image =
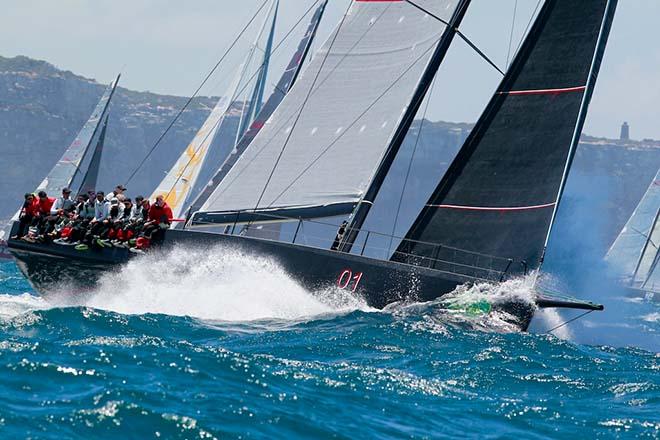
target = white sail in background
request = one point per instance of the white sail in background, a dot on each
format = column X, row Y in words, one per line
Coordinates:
column 68, row 166
column 179, row 182
column 320, row 148
column 629, row 249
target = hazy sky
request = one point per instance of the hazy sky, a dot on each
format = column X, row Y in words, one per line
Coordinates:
column 168, row 46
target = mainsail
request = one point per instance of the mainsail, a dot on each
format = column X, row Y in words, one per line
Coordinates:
column 182, row 177
column 66, row 169
column 283, row 86
column 316, row 154
column 500, row 194
column 633, row 253
column 91, row 176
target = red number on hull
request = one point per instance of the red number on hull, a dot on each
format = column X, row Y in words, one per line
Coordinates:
column 348, row 279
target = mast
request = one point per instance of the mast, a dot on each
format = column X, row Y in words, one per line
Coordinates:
column 597, row 59
column 364, row 205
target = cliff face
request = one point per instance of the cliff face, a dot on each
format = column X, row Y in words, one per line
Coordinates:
column 42, row 108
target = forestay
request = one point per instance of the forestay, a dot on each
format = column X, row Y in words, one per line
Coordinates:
column 319, row 150
column 499, row 195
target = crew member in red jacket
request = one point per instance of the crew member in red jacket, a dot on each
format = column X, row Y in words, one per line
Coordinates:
column 45, row 203
column 160, row 212
column 160, row 218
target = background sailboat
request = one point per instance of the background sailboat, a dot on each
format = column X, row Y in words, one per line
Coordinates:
column 633, row 257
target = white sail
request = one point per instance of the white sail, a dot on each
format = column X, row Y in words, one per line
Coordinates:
column 68, row 166
column 177, row 185
column 626, row 253
column 320, row 148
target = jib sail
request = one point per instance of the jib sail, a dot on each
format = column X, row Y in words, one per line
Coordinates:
column 500, row 194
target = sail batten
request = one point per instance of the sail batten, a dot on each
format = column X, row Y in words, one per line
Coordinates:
column 346, row 109
column 500, row 194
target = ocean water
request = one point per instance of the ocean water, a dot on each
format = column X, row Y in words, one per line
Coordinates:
column 232, row 348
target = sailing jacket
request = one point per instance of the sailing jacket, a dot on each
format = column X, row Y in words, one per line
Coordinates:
column 65, row 205
column 156, row 213
column 86, row 210
column 31, row 209
column 101, row 210
column 45, row 205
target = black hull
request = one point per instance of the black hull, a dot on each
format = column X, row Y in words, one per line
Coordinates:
column 379, row 282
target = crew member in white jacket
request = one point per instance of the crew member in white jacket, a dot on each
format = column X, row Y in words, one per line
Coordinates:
column 63, row 204
column 101, row 207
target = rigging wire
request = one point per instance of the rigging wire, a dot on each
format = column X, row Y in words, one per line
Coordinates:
column 302, row 107
column 568, row 322
column 185, row 106
column 513, row 25
column 460, row 34
column 529, row 23
column 412, row 158
column 247, row 83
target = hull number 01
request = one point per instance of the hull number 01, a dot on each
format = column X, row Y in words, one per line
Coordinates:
column 349, row 280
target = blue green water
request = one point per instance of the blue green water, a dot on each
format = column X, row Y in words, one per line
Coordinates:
column 127, row 363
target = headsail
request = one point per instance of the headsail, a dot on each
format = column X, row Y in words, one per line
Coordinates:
column 66, row 169
column 499, row 195
column 182, row 177
column 283, row 86
column 91, row 176
column 633, row 252
column 318, row 151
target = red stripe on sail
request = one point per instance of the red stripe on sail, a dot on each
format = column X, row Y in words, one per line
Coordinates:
column 492, row 208
column 544, row 91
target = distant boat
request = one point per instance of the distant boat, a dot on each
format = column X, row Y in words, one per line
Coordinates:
column 634, row 255
column 76, row 168
column 327, row 148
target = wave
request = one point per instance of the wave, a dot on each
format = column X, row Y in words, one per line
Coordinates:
column 221, row 284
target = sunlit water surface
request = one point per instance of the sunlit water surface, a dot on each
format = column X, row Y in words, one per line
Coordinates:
column 232, row 347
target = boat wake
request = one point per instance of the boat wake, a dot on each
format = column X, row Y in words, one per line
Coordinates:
column 227, row 285
column 473, row 306
column 222, row 284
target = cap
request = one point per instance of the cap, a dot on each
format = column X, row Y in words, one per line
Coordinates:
column 121, row 187
column 66, row 190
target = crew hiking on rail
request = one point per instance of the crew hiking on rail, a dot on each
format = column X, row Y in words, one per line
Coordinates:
column 94, row 220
